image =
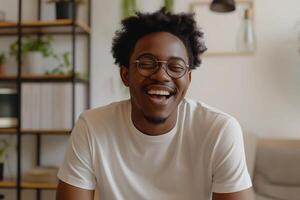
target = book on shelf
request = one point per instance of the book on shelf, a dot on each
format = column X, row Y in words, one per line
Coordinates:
column 46, row 106
column 42, row 174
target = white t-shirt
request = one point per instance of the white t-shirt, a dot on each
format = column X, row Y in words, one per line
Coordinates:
column 203, row 153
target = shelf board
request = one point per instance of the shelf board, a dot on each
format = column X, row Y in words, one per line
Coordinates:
column 40, row 78
column 8, row 184
column 51, row 26
column 35, row 131
column 224, row 54
column 28, row 185
column 47, row 132
column 38, row 185
column 236, row 1
column 8, row 130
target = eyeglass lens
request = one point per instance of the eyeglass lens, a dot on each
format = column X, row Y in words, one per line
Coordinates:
column 148, row 65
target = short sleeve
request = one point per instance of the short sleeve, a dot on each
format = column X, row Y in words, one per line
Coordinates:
column 77, row 167
column 230, row 173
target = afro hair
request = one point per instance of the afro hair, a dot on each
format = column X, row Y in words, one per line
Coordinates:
column 181, row 25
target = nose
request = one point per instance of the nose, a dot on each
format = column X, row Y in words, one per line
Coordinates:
column 161, row 72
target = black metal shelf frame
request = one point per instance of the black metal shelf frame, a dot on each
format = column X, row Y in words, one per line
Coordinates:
column 19, row 80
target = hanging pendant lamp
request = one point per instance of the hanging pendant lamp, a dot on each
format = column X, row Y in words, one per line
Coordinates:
column 222, row 5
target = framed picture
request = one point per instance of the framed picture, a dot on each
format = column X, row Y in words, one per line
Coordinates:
column 222, row 30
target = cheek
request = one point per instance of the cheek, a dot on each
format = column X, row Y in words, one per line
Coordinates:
column 183, row 85
column 135, row 83
column 184, row 90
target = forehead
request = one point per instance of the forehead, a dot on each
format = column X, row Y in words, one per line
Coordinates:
column 162, row 45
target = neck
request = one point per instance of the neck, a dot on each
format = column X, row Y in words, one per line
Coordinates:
column 151, row 126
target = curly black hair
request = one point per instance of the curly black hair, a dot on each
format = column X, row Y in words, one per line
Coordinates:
column 181, row 25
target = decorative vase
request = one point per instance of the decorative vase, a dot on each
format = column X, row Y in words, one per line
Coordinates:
column 298, row 34
column 64, row 10
column 33, row 63
column 246, row 40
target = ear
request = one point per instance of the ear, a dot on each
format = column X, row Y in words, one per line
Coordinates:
column 190, row 76
column 124, row 73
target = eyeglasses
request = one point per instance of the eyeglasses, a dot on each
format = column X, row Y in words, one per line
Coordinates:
column 147, row 65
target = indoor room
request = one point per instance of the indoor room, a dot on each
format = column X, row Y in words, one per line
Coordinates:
column 63, row 62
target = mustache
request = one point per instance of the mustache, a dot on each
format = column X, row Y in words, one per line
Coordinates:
column 168, row 85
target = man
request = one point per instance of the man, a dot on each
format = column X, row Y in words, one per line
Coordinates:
column 157, row 145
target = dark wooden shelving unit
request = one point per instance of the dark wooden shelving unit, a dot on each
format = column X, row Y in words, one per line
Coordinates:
column 46, row 132
column 63, row 26
column 12, row 184
column 7, row 131
column 20, row 28
column 42, row 78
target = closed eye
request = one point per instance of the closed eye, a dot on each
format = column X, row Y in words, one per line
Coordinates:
column 146, row 65
column 176, row 68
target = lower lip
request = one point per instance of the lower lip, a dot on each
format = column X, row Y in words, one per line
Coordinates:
column 159, row 101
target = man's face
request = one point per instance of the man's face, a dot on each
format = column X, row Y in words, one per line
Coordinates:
column 155, row 98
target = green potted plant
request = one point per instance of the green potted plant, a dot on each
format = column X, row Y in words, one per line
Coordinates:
column 128, row 8
column 64, row 8
column 33, row 51
column 2, row 62
column 4, row 147
column 65, row 67
column 169, row 5
column 64, row 64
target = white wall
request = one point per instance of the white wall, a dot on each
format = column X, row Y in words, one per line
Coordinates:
column 262, row 91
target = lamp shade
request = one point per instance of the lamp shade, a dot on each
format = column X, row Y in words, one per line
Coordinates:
column 222, row 5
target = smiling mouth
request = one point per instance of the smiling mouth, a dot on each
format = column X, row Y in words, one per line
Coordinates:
column 159, row 93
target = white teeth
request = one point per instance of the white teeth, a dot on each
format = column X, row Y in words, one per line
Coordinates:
column 159, row 92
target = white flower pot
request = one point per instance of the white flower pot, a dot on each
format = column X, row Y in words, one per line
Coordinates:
column 33, row 63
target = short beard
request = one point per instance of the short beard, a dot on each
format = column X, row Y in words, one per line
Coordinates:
column 155, row 120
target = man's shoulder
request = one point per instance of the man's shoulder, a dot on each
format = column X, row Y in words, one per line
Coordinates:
column 106, row 112
column 200, row 108
column 205, row 123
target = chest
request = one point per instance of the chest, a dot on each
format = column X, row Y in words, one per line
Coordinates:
column 128, row 167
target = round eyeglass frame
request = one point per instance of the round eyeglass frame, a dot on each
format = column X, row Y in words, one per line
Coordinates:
column 137, row 62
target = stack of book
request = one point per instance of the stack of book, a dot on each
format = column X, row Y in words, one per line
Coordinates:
column 46, row 106
column 42, row 174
